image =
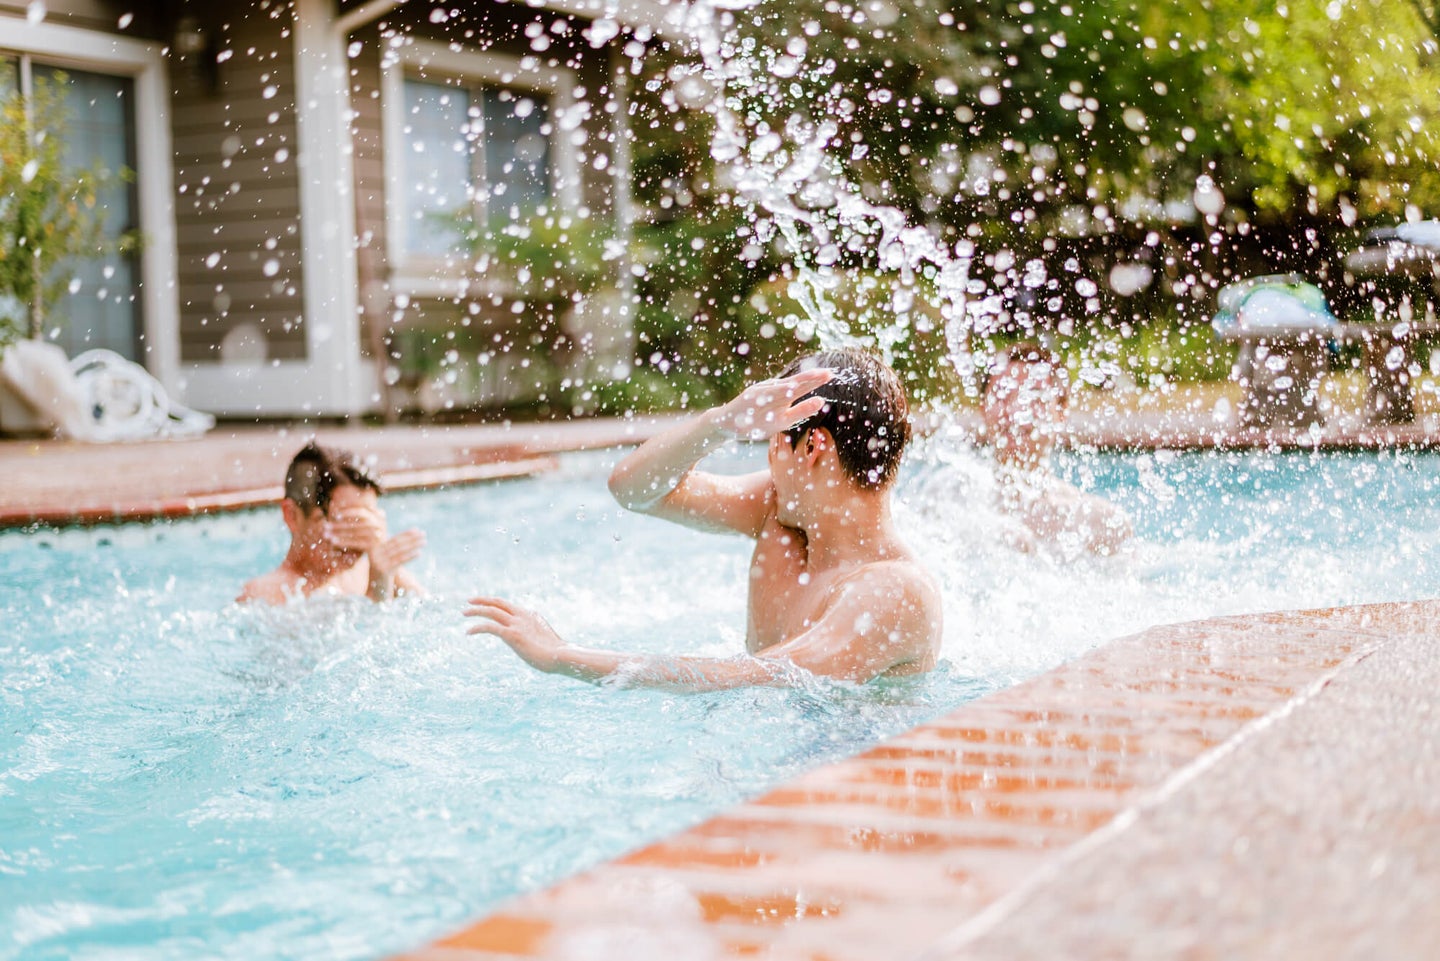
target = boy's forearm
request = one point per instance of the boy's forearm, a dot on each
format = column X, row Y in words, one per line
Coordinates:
column 655, row 468
column 679, row 673
column 585, row 664
column 382, row 586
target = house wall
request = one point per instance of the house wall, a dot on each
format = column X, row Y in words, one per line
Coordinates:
column 390, row 309
column 233, row 322
column 237, row 201
column 92, row 15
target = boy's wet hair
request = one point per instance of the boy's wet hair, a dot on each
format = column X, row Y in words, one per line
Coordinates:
column 865, row 411
column 316, row 471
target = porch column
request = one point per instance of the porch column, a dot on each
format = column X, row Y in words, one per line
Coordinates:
column 343, row 382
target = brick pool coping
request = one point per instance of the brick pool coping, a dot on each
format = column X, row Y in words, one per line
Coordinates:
column 924, row 843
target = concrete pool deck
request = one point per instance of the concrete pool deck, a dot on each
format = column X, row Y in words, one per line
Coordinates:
column 1247, row 787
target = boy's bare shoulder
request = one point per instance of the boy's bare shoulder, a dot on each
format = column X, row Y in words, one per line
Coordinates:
column 903, row 598
column 903, row 572
column 902, row 584
column 272, row 588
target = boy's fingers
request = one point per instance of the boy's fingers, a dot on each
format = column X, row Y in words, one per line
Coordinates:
column 502, row 604
column 807, row 407
column 493, row 604
column 807, row 381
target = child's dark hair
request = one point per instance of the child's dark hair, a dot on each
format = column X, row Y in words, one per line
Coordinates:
column 316, row 471
column 865, row 412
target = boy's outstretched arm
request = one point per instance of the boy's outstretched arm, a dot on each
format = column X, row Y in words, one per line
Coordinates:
column 875, row 624
column 529, row 636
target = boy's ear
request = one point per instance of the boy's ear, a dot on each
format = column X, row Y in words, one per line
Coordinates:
column 817, row 442
column 292, row 513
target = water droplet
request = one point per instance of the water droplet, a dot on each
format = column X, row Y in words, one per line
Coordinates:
column 602, row 31
column 785, row 67
column 1208, row 199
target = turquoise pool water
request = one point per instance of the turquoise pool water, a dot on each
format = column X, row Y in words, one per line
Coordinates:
column 180, row 778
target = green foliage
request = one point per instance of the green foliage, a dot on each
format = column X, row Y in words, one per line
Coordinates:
column 1429, row 13
column 692, row 300
column 647, row 390
column 1069, row 135
column 549, row 258
column 1016, row 112
column 1164, row 348
column 48, row 209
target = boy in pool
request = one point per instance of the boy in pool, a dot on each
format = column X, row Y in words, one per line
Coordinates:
column 833, row 590
column 1026, row 399
column 338, row 542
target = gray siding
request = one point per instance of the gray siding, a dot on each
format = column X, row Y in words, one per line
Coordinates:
column 94, row 15
column 237, row 197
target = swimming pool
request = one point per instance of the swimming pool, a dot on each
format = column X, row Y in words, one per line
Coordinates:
column 179, row 777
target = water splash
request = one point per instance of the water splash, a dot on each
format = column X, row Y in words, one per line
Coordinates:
column 794, row 188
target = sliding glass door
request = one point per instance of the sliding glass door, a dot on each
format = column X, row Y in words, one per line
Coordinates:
column 100, row 306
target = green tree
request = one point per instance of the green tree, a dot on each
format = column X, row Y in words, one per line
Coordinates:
column 1000, row 107
column 1430, row 14
column 1203, row 137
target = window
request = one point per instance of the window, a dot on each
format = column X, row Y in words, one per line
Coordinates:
column 469, row 134
column 100, row 308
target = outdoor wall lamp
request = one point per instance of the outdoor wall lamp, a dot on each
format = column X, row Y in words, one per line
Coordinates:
column 194, row 46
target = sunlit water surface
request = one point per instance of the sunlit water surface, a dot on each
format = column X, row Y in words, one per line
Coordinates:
column 182, row 778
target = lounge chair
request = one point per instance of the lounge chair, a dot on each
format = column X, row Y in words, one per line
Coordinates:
column 97, row 397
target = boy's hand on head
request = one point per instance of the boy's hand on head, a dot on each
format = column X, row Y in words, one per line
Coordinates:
column 770, row 406
column 364, row 530
column 357, row 530
column 389, row 556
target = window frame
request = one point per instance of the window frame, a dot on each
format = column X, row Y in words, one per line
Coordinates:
column 427, row 61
